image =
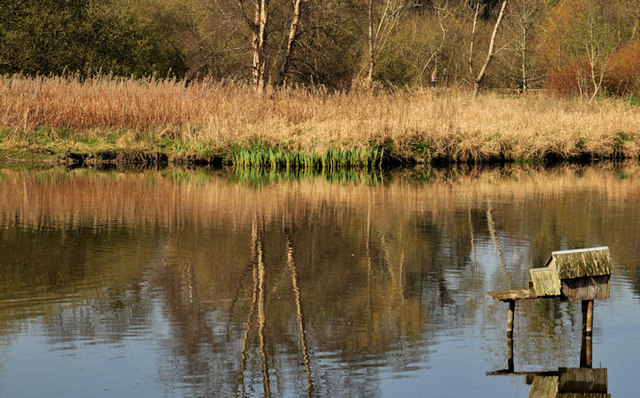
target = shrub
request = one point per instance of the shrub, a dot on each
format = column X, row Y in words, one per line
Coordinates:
column 624, row 76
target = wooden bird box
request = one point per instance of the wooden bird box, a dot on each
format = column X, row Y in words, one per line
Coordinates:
column 578, row 275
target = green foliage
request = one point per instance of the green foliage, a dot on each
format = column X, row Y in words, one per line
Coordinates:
column 84, row 36
column 558, row 45
column 259, row 155
column 621, row 138
column 423, row 150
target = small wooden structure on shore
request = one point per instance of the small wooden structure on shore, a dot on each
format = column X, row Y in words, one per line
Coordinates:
column 575, row 275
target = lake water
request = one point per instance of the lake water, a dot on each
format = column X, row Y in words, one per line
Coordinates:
column 200, row 283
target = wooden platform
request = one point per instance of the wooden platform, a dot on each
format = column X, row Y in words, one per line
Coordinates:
column 514, row 294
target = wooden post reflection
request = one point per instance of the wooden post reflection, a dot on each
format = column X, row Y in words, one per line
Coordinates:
column 570, row 382
column 586, row 351
column 510, row 316
column 510, row 367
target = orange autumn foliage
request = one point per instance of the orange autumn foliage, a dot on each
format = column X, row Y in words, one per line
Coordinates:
column 624, row 76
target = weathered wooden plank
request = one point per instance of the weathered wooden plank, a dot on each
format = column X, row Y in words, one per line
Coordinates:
column 544, row 387
column 511, row 295
column 582, row 262
column 588, row 288
column 546, row 281
column 529, row 375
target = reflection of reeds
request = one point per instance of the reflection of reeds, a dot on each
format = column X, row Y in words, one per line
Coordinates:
column 174, row 200
column 82, row 197
column 449, row 206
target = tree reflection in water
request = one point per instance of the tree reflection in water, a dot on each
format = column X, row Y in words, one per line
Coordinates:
column 297, row 286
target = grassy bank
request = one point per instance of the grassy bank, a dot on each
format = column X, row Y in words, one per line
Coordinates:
column 106, row 119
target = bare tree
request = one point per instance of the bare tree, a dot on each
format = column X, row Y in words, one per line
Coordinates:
column 477, row 78
column 258, row 27
column 524, row 24
column 636, row 19
column 293, row 33
column 591, row 41
column 382, row 21
column 260, row 45
column 441, row 11
column 522, row 63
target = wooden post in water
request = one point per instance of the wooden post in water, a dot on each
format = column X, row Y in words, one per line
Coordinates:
column 587, row 317
column 512, row 309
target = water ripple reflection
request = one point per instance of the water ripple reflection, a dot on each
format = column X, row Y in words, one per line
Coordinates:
column 190, row 283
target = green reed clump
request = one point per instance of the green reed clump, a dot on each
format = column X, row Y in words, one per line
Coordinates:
column 261, row 155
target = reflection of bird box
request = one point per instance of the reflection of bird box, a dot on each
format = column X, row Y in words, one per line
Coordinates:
column 573, row 382
column 578, row 275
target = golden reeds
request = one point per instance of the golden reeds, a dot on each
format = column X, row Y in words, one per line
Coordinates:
column 209, row 117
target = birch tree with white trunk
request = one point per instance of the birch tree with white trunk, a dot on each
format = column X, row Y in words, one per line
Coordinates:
column 479, row 76
column 383, row 15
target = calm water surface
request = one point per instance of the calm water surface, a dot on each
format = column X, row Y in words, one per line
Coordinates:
column 194, row 283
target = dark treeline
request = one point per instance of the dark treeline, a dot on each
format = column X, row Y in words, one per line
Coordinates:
column 84, row 36
column 574, row 47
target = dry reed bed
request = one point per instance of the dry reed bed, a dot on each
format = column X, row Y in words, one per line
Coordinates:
column 415, row 124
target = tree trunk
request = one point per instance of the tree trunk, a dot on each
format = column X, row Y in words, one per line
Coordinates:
column 524, row 61
column 259, row 45
column 293, row 31
column 483, row 70
column 476, row 89
column 371, row 45
column 473, row 38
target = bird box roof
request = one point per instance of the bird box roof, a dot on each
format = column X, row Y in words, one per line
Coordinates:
column 580, row 263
